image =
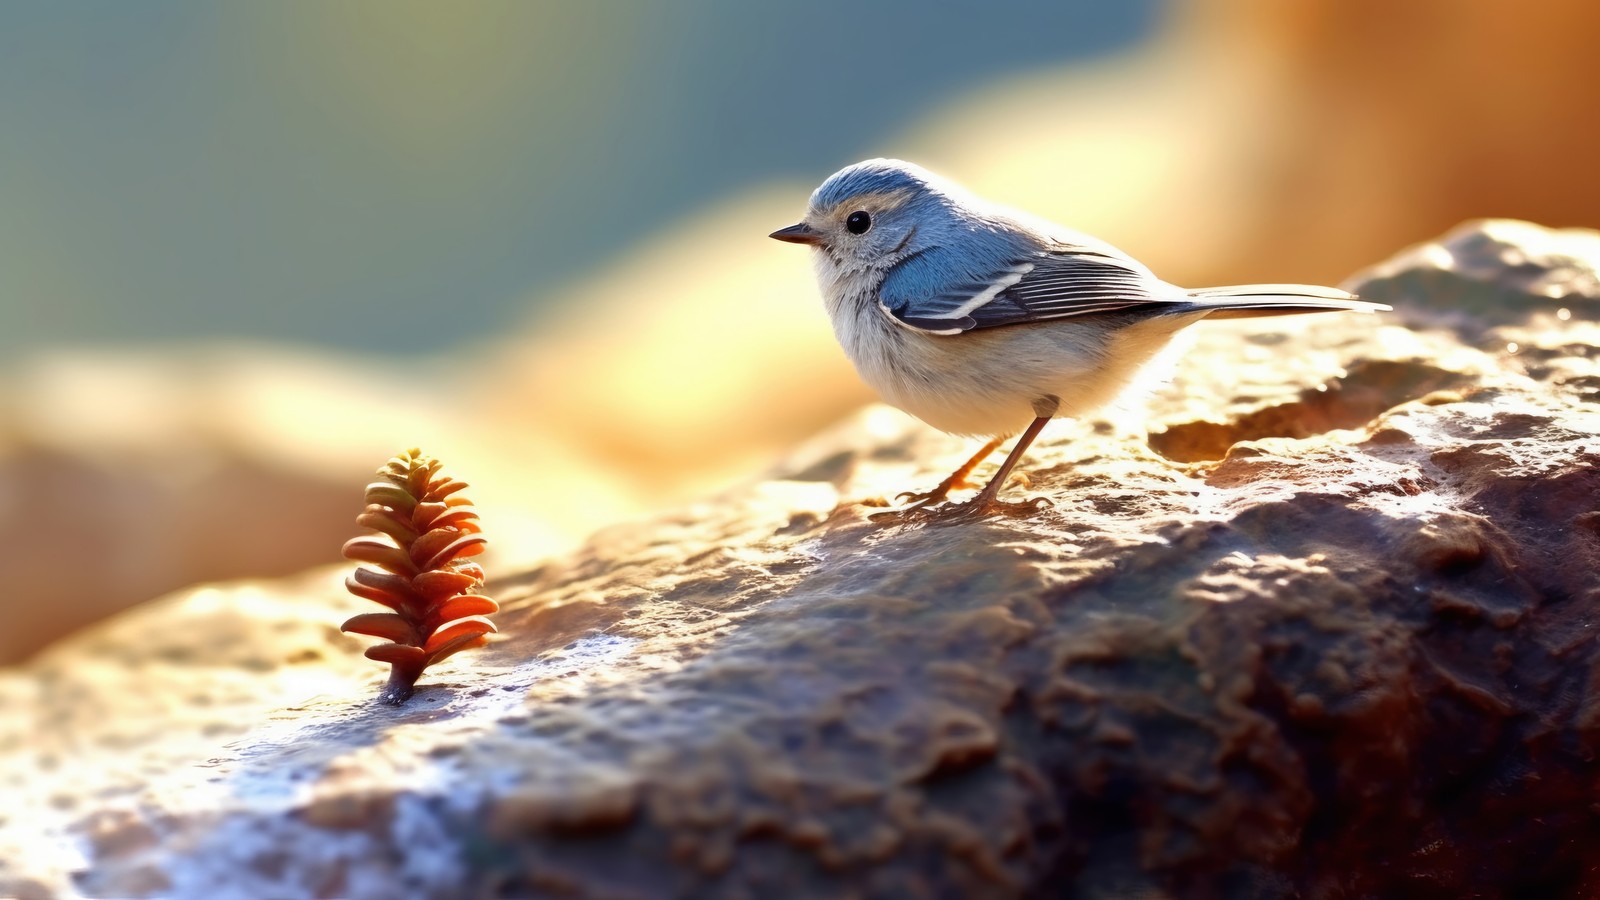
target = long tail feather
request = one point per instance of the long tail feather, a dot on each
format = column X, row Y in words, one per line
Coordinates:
column 1243, row 301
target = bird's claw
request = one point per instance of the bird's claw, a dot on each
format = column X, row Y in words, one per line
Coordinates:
column 919, row 499
column 977, row 508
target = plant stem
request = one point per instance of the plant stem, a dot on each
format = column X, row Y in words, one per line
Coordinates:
column 402, row 683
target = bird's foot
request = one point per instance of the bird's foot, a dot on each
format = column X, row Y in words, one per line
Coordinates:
column 979, row 507
column 924, row 499
column 940, row 493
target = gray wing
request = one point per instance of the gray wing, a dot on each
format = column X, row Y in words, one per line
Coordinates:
column 1052, row 284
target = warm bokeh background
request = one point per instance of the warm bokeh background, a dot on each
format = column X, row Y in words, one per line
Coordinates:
column 248, row 250
column 331, row 172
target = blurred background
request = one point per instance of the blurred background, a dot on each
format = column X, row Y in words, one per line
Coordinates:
column 248, row 250
column 334, row 173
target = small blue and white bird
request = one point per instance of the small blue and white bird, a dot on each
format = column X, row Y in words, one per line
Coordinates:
column 984, row 321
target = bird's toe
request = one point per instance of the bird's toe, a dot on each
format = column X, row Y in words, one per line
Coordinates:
column 979, row 507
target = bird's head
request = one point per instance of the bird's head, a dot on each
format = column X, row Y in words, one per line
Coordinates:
column 875, row 213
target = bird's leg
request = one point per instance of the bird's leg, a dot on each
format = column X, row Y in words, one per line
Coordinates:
column 956, row 481
column 987, row 501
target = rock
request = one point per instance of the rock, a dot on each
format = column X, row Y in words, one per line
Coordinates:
column 1327, row 630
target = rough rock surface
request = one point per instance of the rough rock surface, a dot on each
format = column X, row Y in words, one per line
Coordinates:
column 1326, row 631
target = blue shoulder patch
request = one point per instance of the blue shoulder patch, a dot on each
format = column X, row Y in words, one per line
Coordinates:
column 937, row 282
column 942, row 291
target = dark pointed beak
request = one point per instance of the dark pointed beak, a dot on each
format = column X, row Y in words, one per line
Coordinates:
column 798, row 234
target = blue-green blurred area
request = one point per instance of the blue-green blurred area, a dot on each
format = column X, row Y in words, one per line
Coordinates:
column 397, row 176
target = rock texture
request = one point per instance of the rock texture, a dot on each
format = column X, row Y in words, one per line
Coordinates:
column 1326, row 630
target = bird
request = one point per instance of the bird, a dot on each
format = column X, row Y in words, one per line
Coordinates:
column 985, row 321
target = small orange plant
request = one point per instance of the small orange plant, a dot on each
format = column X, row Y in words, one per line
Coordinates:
column 426, row 532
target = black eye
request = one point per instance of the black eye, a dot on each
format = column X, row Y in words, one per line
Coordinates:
column 858, row 222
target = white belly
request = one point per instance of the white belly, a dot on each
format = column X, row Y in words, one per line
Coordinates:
column 995, row 381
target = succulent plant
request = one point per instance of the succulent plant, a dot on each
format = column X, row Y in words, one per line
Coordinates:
column 426, row 531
